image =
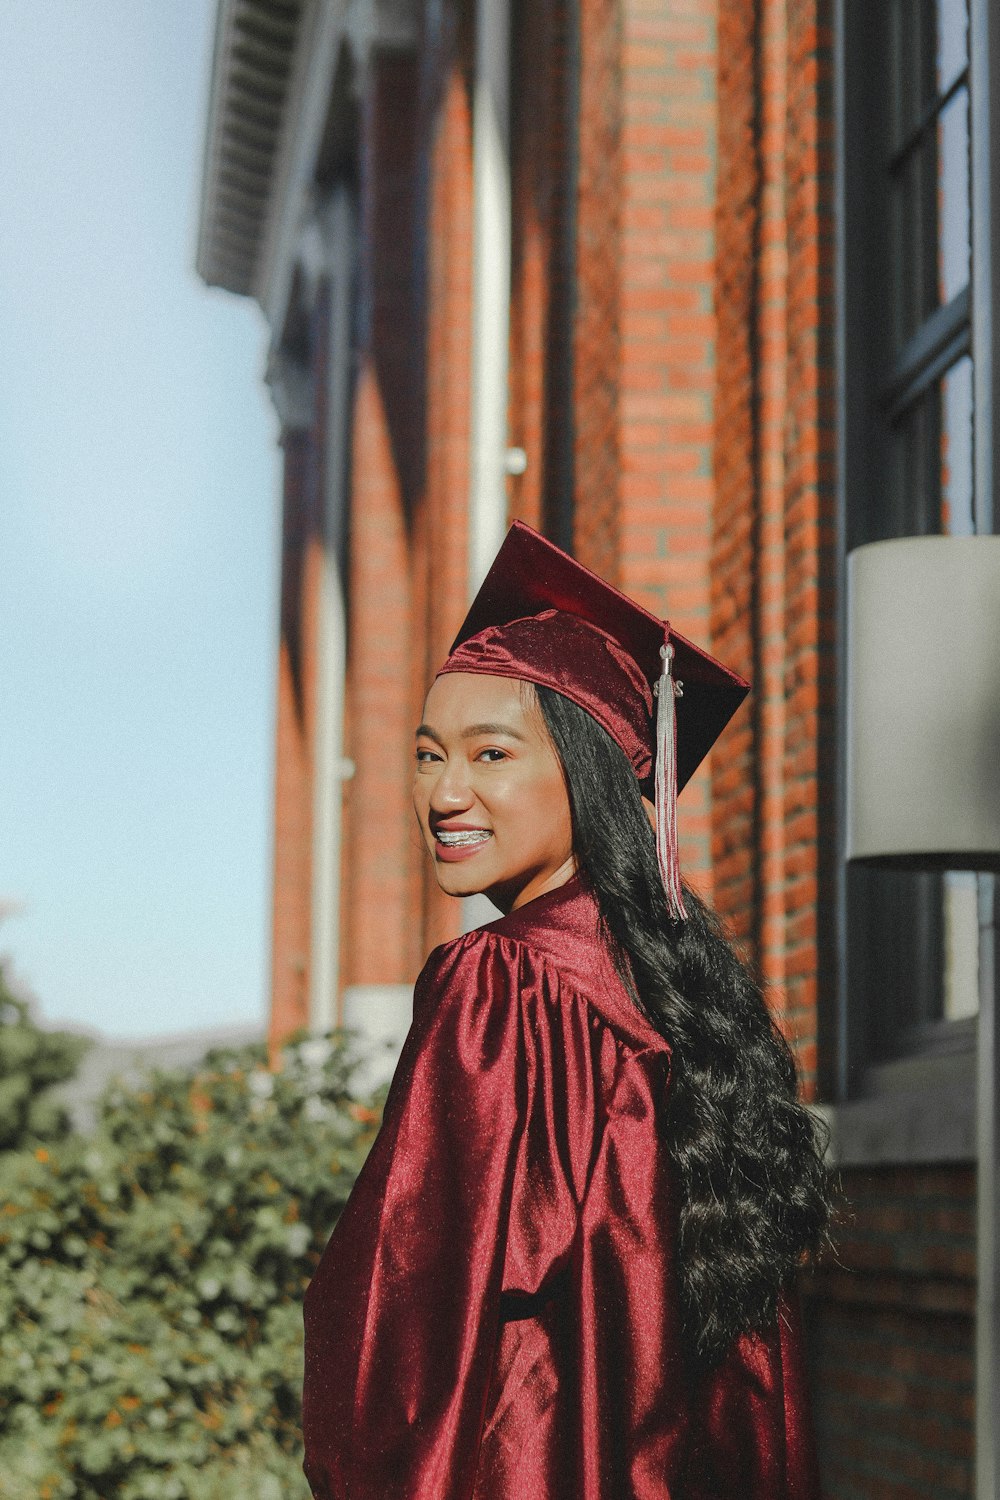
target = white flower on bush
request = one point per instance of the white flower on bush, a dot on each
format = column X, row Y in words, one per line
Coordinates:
column 315, row 1110
column 242, row 1285
column 314, row 1053
column 261, row 1083
column 299, row 1236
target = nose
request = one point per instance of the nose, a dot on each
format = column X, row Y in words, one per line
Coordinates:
column 452, row 790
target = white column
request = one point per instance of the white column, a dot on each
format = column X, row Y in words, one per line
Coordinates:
column 329, row 765
column 490, row 313
column 490, row 286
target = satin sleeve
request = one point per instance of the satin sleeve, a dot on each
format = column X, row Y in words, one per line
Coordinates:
column 401, row 1317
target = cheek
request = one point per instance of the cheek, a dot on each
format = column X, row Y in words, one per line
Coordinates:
column 542, row 812
column 421, row 796
column 561, row 816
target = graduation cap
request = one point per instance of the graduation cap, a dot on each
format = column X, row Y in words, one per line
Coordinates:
column 543, row 617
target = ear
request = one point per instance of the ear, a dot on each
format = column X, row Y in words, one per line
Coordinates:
column 650, row 812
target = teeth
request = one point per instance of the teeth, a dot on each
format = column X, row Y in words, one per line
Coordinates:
column 459, row 838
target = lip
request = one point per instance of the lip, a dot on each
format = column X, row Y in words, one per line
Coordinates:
column 453, row 854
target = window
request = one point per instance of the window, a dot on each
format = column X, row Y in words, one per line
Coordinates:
column 907, row 456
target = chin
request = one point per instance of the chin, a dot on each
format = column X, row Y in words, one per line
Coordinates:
column 459, row 883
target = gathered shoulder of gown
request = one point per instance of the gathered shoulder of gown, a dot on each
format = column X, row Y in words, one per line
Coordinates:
column 496, row 1314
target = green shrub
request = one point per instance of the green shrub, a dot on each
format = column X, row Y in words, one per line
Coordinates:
column 151, row 1280
column 31, row 1061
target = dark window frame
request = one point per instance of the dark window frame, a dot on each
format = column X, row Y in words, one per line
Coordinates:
column 887, row 1005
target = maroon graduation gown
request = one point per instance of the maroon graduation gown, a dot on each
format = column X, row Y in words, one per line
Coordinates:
column 495, row 1316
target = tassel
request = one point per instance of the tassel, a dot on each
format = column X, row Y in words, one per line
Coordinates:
column 667, row 690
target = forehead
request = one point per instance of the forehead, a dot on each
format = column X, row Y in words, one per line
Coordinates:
column 457, row 699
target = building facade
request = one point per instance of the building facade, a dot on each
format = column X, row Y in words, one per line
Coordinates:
column 686, row 284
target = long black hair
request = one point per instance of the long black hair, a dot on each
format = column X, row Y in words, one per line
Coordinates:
column 753, row 1188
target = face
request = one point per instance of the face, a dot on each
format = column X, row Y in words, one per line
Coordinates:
column 489, row 792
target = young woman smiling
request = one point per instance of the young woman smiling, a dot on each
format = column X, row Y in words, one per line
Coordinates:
column 564, row 1273
column 489, row 792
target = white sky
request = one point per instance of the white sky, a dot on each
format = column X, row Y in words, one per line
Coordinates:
column 138, row 536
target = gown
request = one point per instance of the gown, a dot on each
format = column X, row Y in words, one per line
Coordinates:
column 495, row 1316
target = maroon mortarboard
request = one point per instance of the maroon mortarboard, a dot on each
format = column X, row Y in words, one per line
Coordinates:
column 543, row 617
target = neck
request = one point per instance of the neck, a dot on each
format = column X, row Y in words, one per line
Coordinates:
column 509, row 898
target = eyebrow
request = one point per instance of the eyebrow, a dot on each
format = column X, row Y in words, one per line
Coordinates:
column 472, row 732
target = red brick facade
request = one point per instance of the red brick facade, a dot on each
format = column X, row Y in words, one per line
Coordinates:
column 293, row 770
column 440, row 536
column 543, row 259
column 385, row 472
column 890, row 1324
column 774, row 559
column 672, row 386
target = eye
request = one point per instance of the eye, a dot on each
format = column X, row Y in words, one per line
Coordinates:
column 492, row 755
column 427, row 757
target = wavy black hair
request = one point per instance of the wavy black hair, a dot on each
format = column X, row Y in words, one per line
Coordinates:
column 749, row 1155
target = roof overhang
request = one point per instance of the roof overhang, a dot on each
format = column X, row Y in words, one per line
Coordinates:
column 273, row 74
column 256, row 46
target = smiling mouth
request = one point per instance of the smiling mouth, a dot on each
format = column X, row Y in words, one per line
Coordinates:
column 462, row 839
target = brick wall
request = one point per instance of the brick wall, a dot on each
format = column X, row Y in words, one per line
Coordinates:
column 380, row 854
column 890, row 1325
column 667, row 332
column 294, row 711
column 597, row 324
column 735, row 516
column 774, row 564
column 644, row 345
column 808, row 888
column 407, row 551
column 439, row 544
column 543, row 194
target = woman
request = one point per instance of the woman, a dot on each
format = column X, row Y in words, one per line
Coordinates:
column 563, row 1272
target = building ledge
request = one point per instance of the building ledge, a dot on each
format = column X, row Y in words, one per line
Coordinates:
column 907, row 1127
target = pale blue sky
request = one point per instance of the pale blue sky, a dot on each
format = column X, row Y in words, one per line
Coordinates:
column 138, row 536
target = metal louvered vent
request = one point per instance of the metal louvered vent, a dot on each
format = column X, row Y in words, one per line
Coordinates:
column 255, row 46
